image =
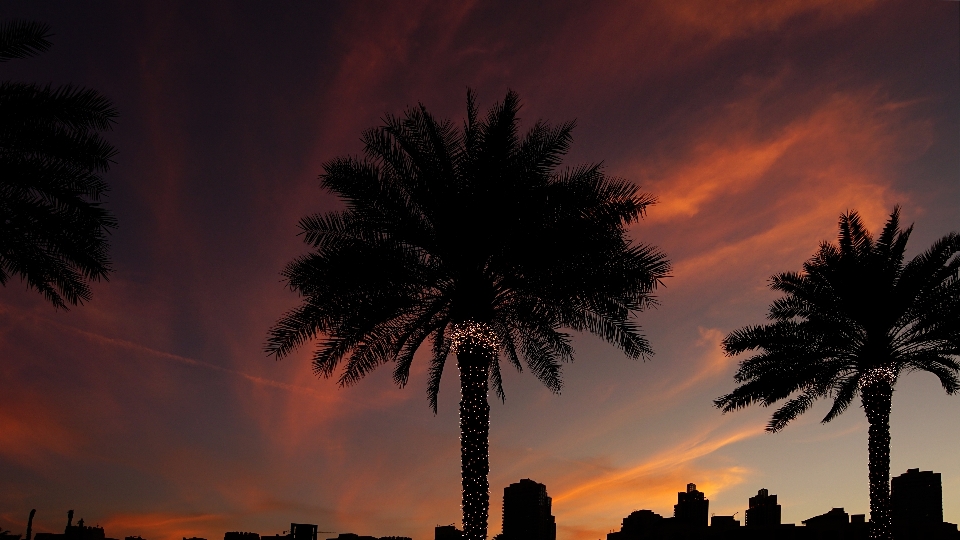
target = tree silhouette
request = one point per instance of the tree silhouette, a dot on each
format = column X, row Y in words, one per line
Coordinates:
column 53, row 229
column 850, row 324
column 472, row 239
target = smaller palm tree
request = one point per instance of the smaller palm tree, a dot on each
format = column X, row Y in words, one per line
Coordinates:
column 53, row 228
column 850, row 324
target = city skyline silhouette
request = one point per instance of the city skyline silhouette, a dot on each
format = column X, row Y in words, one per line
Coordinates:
column 917, row 510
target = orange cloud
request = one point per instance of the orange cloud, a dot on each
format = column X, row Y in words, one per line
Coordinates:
column 762, row 199
column 711, row 364
column 726, row 20
column 627, row 479
column 848, row 140
column 32, row 434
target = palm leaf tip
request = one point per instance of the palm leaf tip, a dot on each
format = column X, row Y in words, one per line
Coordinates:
column 23, row 39
column 722, row 403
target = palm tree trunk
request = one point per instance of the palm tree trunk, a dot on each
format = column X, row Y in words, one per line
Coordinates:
column 474, row 445
column 876, row 402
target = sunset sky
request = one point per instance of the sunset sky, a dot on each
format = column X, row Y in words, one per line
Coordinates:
column 152, row 410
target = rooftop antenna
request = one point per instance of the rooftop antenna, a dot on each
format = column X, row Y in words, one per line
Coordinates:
column 30, row 524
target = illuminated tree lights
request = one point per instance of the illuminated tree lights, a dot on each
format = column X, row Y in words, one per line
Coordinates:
column 876, row 397
column 475, row 336
column 875, row 375
column 475, row 345
column 876, row 387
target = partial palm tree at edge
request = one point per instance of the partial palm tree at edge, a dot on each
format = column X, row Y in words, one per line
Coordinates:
column 476, row 241
column 53, row 227
column 851, row 323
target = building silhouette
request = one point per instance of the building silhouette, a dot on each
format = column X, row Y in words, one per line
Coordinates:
column 527, row 512
column 764, row 510
column 692, row 507
column 835, row 518
column 639, row 524
column 916, row 506
column 447, row 532
column 298, row 531
column 916, row 499
column 724, row 522
column 763, row 519
column 689, row 520
column 303, row 531
column 352, row 536
column 74, row 532
column 237, row 535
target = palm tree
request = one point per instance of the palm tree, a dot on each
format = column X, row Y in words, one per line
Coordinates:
column 53, row 227
column 473, row 240
column 850, row 324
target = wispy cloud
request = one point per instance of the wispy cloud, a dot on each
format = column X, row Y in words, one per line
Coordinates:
column 629, row 479
column 154, row 353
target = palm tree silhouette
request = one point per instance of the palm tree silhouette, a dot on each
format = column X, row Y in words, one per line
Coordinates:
column 473, row 240
column 851, row 323
column 53, row 229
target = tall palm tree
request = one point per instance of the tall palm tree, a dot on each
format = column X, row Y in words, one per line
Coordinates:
column 850, row 324
column 53, row 228
column 472, row 239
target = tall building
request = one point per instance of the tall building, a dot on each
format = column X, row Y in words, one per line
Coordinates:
column 691, row 508
column 764, row 510
column 527, row 512
column 916, row 500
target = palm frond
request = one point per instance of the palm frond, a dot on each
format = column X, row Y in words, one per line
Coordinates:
column 441, row 349
column 845, row 394
column 23, row 39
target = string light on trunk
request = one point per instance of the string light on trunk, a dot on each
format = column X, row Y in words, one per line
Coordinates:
column 876, row 388
column 476, row 346
column 878, row 374
column 473, row 335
